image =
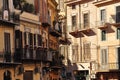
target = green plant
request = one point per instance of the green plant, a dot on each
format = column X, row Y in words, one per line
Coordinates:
column 28, row 7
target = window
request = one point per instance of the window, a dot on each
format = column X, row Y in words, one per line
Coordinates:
column 87, row 52
column 7, row 42
column 39, row 37
column 27, row 38
column 86, row 20
column 118, row 33
column 103, row 15
column 18, row 39
column 104, row 57
column 73, row 6
column 118, row 55
column 117, row 14
column 31, row 39
column 62, row 50
column 103, row 35
column 74, row 21
column 75, row 53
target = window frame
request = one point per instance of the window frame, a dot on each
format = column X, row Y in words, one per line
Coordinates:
column 104, row 58
column 73, row 6
column 103, row 15
column 86, row 20
column 74, row 21
column 117, row 11
column 103, row 36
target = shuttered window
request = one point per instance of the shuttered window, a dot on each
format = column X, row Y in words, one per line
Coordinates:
column 31, row 39
column 118, row 33
column 104, row 57
column 28, row 75
column 18, row 39
column 117, row 14
column 39, row 40
column 87, row 51
column 75, row 53
column 103, row 35
column 86, row 20
column 34, row 39
column 74, row 21
column 7, row 42
column 26, row 38
column 103, row 15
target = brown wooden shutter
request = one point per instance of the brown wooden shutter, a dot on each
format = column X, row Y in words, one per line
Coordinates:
column 34, row 39
column 31, row 39
column 25, row 38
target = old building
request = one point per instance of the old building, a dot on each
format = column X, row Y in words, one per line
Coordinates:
column 8, row 20
column 81, row 27
column 108, row 39
column 54, row 34
column 30, row 31
column 93, row 26
column 28, row 42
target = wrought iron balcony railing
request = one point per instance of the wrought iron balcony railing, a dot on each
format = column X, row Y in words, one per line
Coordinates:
column 13, row 18
column 30, row 54
column 55, row 32
column 6, row 57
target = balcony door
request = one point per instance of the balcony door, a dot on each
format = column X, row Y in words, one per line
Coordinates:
column 117, row 14
column 28, row 75
column 118, row 55
column 7, row 75
column 7, row 47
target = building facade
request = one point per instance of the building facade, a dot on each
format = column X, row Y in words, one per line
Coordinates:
column 93, row 29
column 8, row 20
column 29, row 40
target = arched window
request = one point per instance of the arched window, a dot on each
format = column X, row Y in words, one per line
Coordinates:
column 7, row 75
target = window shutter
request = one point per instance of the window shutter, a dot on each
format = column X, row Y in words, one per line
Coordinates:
column 34, row 39
column 39, row 40
column 31, row 39
column 117, row 14
column 104, row 56
column 21, row 44
column 17, row 39
column 25, row 38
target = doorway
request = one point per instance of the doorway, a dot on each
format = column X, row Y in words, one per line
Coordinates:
column 7, row 75
column 28, row 75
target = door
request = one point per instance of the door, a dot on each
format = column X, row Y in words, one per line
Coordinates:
column 7, row 75
column 118, row 56
column 28, row 75
column 7, row 47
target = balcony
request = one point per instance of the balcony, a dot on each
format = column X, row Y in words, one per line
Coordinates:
column 13, row 19
column 6, row 59
column 108, row 67
column 81, row 29
column 102, row 2
column 31, row 55
column 114, row 22
column 56, row 60
column 46, row 21
column 102, row 24
column 56, row 30
column 64, row 41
